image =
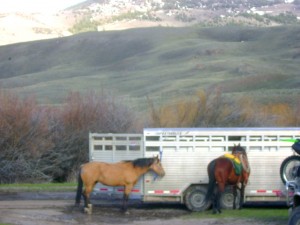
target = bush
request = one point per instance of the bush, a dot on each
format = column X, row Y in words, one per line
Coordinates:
column 39, row 143
column 24, row 132
column 84, row 25
column 210, row 108
column 79, row 116
column 49, row 144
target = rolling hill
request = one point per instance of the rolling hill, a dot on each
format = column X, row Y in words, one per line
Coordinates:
column 161, row 63
column 98, row 15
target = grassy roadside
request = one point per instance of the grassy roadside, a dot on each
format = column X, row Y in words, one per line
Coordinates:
column 258, row 214
column 38, row 187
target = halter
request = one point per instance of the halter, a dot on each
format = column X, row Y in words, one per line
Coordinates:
column 241, row 151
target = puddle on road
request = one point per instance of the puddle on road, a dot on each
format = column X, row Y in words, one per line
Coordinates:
column 113, row 214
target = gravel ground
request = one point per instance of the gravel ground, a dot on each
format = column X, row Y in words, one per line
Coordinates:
column 58, row 208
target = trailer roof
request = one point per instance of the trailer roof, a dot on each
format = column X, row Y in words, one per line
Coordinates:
column 222, row 129
column 214, row 129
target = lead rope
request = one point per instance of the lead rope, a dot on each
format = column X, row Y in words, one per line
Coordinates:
column 160, row 158
column 160, row 153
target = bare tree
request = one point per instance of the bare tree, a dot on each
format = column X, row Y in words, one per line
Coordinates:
column 80, row 115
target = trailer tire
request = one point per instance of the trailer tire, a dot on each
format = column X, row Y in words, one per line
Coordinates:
column 226, row 200
column 295, row 217
column 288, row 168
column 195, row 198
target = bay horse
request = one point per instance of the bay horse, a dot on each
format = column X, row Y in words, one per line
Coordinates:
column 124, row 173
column 221, row 172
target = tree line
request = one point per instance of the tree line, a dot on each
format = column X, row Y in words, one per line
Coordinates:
column 49, row 143
column 211, row 108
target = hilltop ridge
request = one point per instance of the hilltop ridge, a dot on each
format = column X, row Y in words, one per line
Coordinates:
column 98, row 15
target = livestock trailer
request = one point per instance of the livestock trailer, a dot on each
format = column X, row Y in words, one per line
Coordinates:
column 185, row 154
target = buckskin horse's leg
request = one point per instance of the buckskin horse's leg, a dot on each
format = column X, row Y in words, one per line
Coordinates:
column 125, row 200
column 87, row 202
column 85, row 207
column 127, row 191
column 88, row 208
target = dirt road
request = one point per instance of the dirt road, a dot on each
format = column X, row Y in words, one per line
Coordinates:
column 46, row 209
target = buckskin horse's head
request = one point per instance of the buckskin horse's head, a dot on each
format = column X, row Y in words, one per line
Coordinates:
column 157, row 167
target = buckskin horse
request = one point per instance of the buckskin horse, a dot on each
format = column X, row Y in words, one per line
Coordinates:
column 124, row 173
column 222, row 172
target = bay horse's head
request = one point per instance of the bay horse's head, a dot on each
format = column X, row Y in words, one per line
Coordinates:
column 241, row 153
column 157, row 167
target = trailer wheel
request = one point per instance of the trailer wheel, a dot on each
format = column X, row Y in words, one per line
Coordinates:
column 195, row 199
column 295, row 217
column 226, row 200
column 288, row 168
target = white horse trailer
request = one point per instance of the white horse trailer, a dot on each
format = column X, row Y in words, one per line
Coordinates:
column 185, row 154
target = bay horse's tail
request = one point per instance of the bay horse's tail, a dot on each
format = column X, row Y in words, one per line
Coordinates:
column 212, row 180
column 79, row 189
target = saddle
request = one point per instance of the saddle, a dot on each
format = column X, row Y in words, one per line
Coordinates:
column 236, row 162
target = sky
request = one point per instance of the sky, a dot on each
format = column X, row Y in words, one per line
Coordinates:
column 42, row 6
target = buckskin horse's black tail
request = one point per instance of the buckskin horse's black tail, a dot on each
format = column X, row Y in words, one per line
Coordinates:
column 79, row 189
column 212, row 180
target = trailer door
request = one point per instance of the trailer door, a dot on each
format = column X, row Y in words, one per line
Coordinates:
column 113, row 148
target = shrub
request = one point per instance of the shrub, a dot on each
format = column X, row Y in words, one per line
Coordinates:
column 24, row 132
column 211, row 109
column 48, row 143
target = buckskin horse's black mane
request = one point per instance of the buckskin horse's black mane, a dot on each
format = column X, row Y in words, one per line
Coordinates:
column 141, row 162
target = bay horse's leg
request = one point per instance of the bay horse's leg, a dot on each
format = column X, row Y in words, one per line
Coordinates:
column 221, row 189
column 215, row 203
column 242, row 195
column 216, row 199
column 219, row 202
column 234, row 192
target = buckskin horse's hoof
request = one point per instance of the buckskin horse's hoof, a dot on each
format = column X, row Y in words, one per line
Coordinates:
column 124, row 211
column 88, row 209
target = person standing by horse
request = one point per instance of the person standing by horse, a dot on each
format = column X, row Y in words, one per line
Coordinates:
column 224, row 171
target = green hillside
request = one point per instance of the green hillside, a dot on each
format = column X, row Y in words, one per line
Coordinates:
column 162, row 63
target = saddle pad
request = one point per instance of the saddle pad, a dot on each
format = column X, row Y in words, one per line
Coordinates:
column 236, row 163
